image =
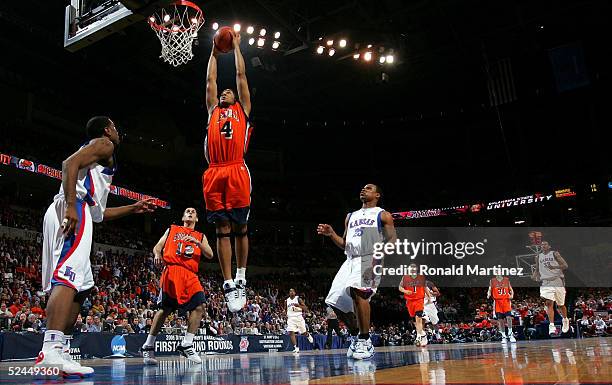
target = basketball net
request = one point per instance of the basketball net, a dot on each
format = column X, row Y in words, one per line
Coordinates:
column 176, row 27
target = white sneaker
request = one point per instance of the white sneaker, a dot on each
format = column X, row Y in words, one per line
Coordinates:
column 417, row 341
column 148, row 355
column 424, row 340
column 310, row 339
column 504, row 339
column 241, row 286
column 85, row 370
column 296, row 350
column 351, row 348
column 566, row 326
column 512, row 339
column 363, row 349
column 54, row 358
column 190, row 353
column 552, row 329
column 232, row 297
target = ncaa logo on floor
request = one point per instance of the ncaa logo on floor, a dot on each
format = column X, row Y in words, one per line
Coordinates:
column 118, row 346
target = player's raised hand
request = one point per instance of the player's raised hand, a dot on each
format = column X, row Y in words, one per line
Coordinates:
column 236, row 40
column 144, row 206
column 189, row 238
column 70, row 221
column 325, row 229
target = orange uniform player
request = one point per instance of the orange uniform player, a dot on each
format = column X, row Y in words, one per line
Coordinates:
column 227, row 182
column 501, row 291
column 415, row 289
column 179, row 249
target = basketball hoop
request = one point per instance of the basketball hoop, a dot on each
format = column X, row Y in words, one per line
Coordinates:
column 176, row 27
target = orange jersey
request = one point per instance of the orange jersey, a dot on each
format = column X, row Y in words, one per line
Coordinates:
column 500, row 289
column 228, row 135
column 180, row 252
column 416, row 285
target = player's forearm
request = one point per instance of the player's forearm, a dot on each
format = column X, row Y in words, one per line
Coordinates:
column 70, row 172
column 211, row 71
column 240, row 66
column 112, row 213
column 338, row 240
column 206, row 250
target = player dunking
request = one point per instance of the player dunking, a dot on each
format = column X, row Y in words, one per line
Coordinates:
column 227, row 182
column 415, row 290
column 351, row 290
column 180, row 249
column 67, row 237
column 295, row 319
column 549, row 271
column 501, row 291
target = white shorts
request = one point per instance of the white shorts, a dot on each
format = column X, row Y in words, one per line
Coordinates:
column 65, row 261
column 347, row 277
column 296, row 324
column 556, row 294
column 430, row 312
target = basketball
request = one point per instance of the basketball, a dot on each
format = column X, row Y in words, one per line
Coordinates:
column 223, row 39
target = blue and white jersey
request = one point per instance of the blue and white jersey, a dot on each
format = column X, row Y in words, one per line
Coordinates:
column 364, row 228
column 92, row 186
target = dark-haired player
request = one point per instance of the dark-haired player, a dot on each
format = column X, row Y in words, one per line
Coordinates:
column 352, row 289
column 67, row 233
column 501, row 291
column 227, row 182
column 295, row 319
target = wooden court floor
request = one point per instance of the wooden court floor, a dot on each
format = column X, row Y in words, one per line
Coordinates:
column 586, row 361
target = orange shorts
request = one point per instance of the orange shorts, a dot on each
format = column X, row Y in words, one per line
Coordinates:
column 415, row 307
column 227, row 192
column 503, row 307
column 180, row 288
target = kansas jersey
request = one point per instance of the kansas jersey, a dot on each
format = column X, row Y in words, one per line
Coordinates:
column 228, row 135
column 293, row 309
column 364, row 229
column 177, row 251
column 92, row 186
column 546, row 273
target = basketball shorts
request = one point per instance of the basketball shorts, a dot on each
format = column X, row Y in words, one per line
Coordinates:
column 180, row 289
column 227, row 192
column 502, row 308
column 415, row 307
column 349, row 276
column 430, row 312
column 296, row 324
column 65, row 261
column 556, row 294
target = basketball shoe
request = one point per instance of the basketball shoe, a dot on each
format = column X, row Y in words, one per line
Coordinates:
column 351, row 348
column 552, row 329
column 54, row 358
column 148, row 355
column 232, row 297
column 363, row 349
column 190, row 353
column 512, row 339
column 566, row 326
column 241, row 287
column 84, row 370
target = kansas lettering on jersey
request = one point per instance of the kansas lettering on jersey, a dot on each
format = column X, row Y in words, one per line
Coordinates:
column 364, row 228
column 92, row 186
column 177, row 251
column 416, row 285
column 500, row 289
column 293, row 310
column 546, row 273
column 228, row 133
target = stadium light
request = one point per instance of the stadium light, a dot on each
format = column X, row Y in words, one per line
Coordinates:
column 342, row 43
column 152, row 19
column 252, row 41
column 277, row 35
column 166, row 18
column 356, row 56
column 320, row 50
column 331, row 52
column 262, row 32
column 215, row 26
column 367, row 56
column 390, row 59
column 250, row 29
column 330, row 42
column 237, row 27
column 382, row 59
column 275, row 45
column 261, row 42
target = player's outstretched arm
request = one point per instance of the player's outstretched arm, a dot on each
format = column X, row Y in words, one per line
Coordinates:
column 241, row 80
column 211, row 80
column 97, row 150
column 511, row 291
column 328, row 231
column 159, row 247
column 142, row 206
column 388, row 227
column 561, row 261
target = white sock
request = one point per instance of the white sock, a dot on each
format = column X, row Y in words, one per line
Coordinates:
column 66, row 344
column 150, row 341
column 241, row 273
column 52, row 339
column 188, row 340
column 503, row 333
column 228, row 284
